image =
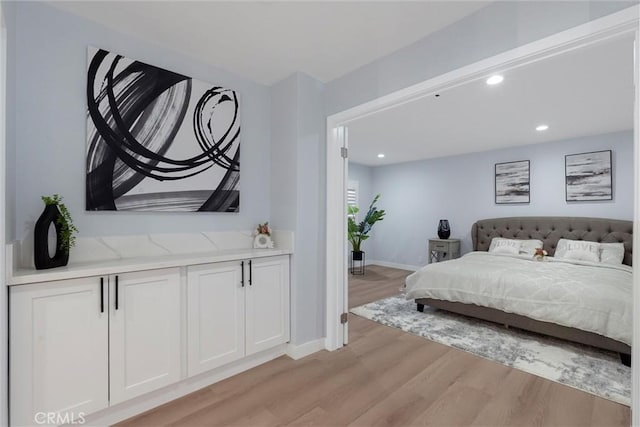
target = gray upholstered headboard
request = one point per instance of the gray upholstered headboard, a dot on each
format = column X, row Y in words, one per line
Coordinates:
column 550, row 229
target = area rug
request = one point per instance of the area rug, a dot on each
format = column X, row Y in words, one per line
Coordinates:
column 586, row 368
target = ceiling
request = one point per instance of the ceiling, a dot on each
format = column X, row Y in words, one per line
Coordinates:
column 585, row 92
column 268, row 41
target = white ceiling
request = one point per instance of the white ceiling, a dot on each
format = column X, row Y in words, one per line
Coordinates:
column 268, row 41
column 585, row 92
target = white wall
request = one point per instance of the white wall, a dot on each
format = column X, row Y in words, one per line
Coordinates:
column 50, row 126
column 461, row 189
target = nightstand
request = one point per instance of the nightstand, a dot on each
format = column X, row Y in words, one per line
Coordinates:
column 443, row 249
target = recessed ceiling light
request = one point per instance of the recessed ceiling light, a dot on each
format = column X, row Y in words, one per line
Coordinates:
column 495, row 79
column 380, row 156
column 541, row 128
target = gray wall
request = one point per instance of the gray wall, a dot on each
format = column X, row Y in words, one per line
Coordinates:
column 9, row 9
column 48, row 143
column 501, row 26
column 298, row 137
column 364, row 175
column 50, row 127
column 461, row 189
column 310, row 241
column 284, row 151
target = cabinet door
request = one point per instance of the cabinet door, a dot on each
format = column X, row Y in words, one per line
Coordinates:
column 267, row 303
column 58, row 350
column 144, row 331
column 215, row 320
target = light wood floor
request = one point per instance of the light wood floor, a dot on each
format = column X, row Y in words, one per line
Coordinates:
column 385, row 377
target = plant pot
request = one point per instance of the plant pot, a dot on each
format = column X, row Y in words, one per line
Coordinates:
column 444, row 231
column 41, row 257
column 357, row 262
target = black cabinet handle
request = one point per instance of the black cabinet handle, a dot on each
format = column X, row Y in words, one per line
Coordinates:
column 242, row 269
column 250, row 273
column 116, row 292
column 102, row 295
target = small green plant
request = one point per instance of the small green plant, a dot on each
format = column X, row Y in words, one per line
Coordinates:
column 68, row 231
column 357, row 233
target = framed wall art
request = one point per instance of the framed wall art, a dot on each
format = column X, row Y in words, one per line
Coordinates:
column 158, row 140
column 512, row 182
column 588, row 176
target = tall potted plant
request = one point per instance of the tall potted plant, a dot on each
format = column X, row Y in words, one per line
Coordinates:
column 359, row 232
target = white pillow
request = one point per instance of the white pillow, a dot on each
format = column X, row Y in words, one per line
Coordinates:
column 580, row 250
column 611, row 253
column 528, row 247
column 561, row 248
column 504, row 246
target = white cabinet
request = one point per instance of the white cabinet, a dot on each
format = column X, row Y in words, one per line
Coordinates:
column 236, row 309
column 144, row 328
column 59, row 350
column 78, row 346
column 215, row 315
column 267, row 303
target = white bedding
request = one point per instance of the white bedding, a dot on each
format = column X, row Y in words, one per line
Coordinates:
column 592, row 297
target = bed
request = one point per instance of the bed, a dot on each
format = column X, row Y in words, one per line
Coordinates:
column 549, row 310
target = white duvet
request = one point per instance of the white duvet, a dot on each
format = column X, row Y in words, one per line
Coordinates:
column 592, row 297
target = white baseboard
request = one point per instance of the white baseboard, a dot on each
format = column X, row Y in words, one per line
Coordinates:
column 303, row 350
column 394, row 265
column 156, row 398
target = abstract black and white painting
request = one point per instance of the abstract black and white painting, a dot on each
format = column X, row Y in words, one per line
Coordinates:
column 588, row 176
column 512, row 182
column 158, row 140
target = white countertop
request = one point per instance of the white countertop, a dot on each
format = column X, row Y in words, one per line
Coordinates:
column 23, row 276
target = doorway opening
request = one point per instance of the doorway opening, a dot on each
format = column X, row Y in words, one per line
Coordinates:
column 622, row 24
